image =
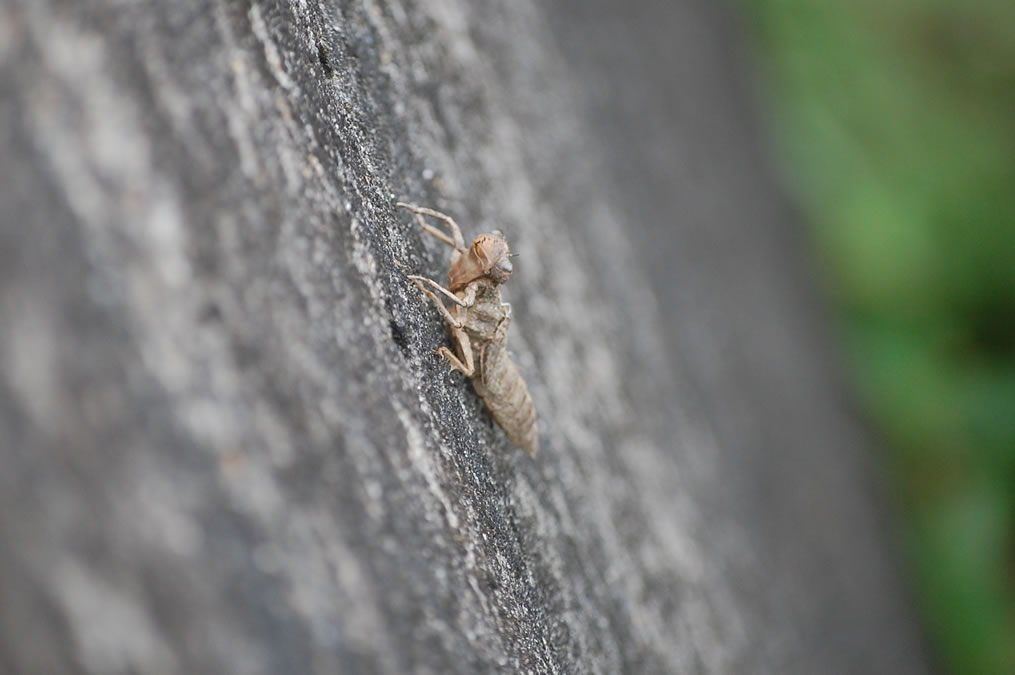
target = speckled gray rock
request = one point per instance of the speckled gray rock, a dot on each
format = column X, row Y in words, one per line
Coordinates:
column 226, row 443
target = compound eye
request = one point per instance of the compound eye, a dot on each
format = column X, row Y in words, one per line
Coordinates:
column 501, row 271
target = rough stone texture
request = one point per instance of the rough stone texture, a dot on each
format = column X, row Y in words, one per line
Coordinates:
column 227, row 445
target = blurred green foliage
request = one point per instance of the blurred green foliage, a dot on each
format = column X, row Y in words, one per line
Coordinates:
column 896, row 120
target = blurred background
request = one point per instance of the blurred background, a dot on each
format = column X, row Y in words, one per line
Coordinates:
column 895, row 120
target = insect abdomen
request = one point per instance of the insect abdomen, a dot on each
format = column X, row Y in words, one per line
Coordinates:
column 507, row 398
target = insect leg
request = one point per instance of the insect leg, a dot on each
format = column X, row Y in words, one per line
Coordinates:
column 465, row 365
column 500, row 332
column 430, row 229
column 452, row 320
column 440, row 289
column 456, row 239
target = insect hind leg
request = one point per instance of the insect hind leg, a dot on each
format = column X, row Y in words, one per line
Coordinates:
column 466, row 365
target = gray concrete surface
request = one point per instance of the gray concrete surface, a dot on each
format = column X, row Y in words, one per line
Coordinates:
column 226, row 445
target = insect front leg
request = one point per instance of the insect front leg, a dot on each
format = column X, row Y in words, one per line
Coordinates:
column 500, row 332
column 456, row 239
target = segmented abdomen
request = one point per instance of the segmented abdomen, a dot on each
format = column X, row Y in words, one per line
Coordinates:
column 507, row 398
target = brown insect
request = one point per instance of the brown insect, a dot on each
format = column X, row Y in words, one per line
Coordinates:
column 478, row 321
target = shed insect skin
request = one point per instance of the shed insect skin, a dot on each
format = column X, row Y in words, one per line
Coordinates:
column 478, row 321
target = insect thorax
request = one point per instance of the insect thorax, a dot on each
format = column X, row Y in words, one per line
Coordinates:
column 486, row 314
